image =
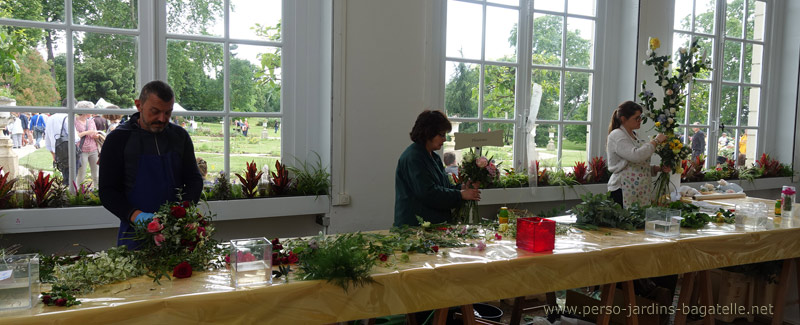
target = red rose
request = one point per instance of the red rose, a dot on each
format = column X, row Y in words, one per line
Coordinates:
column 277, row 247
column 186, row 204
column 435, row 248
column 201, row 231
column 46, row 299
column 275, row 260
column 284, row 260
column 61, row 302
column 182, row 270
column 442, row 228
column 498, row 236
column 154, row 226
column 383, row 257
column 227, row 259
column 293, row 258
column 275, row 241
column 178, row 212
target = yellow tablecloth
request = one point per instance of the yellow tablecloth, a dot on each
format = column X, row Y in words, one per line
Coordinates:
column 427, row 281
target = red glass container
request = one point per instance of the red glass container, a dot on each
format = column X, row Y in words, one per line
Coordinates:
column 536, row 234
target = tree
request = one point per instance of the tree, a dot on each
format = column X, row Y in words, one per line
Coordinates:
column 34, row 86
column 459, row 98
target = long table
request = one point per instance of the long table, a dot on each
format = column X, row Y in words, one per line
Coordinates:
column 466, row 275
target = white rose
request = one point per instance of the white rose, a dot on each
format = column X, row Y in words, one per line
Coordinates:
column 682, row 50
column 664, row 83
column 722, row 182
column 670, row 120
column 672, row 101
column 649, row 52
column 672, row 109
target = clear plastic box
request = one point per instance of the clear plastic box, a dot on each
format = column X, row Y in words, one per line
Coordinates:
column 662, row 222
column 251, row 262
column 19, row 281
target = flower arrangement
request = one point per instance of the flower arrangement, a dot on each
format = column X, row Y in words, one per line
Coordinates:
column 478, row 172
column 671, row 151
column 283, row 258
column 177, row 239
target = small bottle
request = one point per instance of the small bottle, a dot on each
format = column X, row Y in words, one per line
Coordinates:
column 778, row 207
column 502, row 216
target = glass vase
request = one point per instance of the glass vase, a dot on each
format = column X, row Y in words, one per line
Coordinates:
column 19, row 281
column 787, row 200
column 251, row 261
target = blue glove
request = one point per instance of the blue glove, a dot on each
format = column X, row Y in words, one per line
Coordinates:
column 143, row 217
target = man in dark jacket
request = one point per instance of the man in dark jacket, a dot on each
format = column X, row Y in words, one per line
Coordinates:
column 146, row 162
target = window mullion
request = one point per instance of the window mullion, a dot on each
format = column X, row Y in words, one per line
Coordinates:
column 523, row 100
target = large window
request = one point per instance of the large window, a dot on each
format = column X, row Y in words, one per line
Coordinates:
column 501, row 54
column 725, row 103
column 223, row 59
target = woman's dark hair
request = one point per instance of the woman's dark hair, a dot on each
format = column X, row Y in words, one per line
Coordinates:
column 626, row 109
column 428, row 125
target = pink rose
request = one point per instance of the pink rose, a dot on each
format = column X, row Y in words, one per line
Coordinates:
column 158, row 239
column 154, row 226
column 482, row 162
column 492, row 170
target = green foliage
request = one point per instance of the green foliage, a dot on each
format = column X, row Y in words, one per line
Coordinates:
column 600, row 211
column 34, row 86
column 114, row 265
column 60, row 296
column 341, row 260
column 513, row 178
column 311, row 179
column 222, row 188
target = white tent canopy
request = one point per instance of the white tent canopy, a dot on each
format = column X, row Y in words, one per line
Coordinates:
column 102, row 103
column 178, row 108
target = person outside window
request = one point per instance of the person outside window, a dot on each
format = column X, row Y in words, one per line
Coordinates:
column 698, row 141
column 147, row 162
column 87, row 133
column 629, row 157
column 422, row 188
column 450, row 163
column 38, row 127
column 742, row 158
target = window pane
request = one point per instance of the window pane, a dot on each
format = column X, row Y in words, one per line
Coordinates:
column 36, row 11
column 549, row 5
column 700, row 101
column 506, row 2
column 256, row 19
column 118, row 14
column 733, row 18
column 551, row 87
column 255, row 78
column 581, row 7
column 209, row 144
column 704, row 16
column 746, row 149
column 580, row 42
column 753, row 56
column 461, row 89
column 501, row 34
column 462, row 127
column 577, row 95
column 36, row 86
column 105, row 67
column 251, row 141
column 698, row 140
column 733, row 56
column 498, row 98
column 728, row 103
column 683, row 15
column 706, row 45
column 191, row 17
column 194, row 70
column 726, row 148
column 755, row 19
column 502, row 156
column 32, row 160
column 751, row 97
column 547, row 145
column 546, row 48
column 574, row 148
column 679, row 40
column 464, row 21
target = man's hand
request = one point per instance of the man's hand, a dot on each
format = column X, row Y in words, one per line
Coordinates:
column 472, row 194
column 138, row 215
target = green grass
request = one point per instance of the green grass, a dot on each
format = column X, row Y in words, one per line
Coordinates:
column 571, row 152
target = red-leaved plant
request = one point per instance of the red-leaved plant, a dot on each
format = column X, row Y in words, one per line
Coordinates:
column 579, row 171
column 693, row 169
column 6, row 188
column 769, row 167
column 542, row 178
column 598, row 170
column 279, row 185
column 250, row 180
column 41, row 186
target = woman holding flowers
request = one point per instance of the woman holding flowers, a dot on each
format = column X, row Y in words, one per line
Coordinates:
column 629, row 157
column 422, row 188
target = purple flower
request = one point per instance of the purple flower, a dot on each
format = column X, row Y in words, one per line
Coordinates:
column 648, row 93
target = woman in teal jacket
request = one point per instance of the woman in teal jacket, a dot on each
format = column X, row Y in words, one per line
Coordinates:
column 422, row 188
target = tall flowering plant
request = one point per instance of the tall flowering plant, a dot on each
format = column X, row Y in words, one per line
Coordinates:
column 177, row 240
column 478, row 172
column 672, row 151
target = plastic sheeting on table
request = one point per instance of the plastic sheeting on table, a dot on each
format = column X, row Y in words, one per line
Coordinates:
column 580, row 258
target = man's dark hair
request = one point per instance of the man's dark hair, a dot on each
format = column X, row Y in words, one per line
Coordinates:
column 428, row 125
column 158, row 87
column 449, row 158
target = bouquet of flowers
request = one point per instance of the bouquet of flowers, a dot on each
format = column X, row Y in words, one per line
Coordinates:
column 477, row 172
column 671, row 151
column 177, row 239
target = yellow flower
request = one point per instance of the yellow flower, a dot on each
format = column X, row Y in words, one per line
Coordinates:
column 503, row 227
column 679, row 170
column 676, row 150
column 654, row 43
column 676, row 141
column 658, row 124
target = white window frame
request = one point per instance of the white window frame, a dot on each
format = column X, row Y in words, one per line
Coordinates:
column 524, row 67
